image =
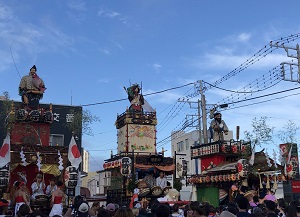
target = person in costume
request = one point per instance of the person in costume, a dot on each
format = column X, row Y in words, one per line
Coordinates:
column 219, row 127
column 161, row 181
column 149, row 179
column 136, row 99
column 31, row 87
column 19, row 196
column 56, row 201
column 38, row 186
column 51, row 187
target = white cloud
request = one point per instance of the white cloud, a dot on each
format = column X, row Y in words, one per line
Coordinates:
column 108, row 13
column 113, row 15
column 156, row 66
column 218, row 61
column 78, row 5
column 102, row 81
column 105, row 51
column 5, row 13
column 244, row 37
column 27, row 39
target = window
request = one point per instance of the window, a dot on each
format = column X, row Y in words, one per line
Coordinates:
column 56, row 140
column 188, row 166
column 187, row 144
column 180, row 146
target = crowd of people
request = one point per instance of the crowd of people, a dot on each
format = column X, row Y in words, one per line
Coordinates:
column 241, row 207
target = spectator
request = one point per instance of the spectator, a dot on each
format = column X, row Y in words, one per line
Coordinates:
column 258, row 212
column 101, row 212
column 162, row 211
column 111, row 208
column 153, row 210
column 121, row 212
column 24, row 210
column 270, row 196
column 271, row 206
column 243, row 206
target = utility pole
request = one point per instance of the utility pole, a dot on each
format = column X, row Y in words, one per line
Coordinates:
column 204, row 117
column 289, row 53
column 201, row 106
column 199, row 122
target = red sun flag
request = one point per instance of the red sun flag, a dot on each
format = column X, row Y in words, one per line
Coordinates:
column 5, row 152
column 74, row 155
column 75, row 151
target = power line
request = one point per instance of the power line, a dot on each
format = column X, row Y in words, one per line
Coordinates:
column 118, row 100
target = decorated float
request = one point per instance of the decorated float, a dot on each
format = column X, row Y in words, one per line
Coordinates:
column 27, row 149
column 231, row 166
column 136, row 154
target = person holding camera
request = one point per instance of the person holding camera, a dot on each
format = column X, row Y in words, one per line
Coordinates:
column 79, row 208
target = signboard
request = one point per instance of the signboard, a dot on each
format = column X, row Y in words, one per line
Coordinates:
column 295, row 186
column 4, row 175
column 155, row 159
column 71, row 177
column 125, row 166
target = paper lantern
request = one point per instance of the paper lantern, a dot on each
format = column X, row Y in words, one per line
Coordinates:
column 224, row 178
column 217, row 178
column 220, row 178
column 242, row 167
column 207, row 179
column 233, row 177
column 212, row 179
column 234, row 149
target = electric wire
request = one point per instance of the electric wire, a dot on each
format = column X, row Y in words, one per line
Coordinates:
column 263, row 52
column 118, row 100
column 12, row 56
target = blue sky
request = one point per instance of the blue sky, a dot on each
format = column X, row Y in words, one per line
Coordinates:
column 89, row 50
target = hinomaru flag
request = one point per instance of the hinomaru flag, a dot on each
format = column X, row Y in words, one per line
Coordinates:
column 74, row 155
column 5, row 152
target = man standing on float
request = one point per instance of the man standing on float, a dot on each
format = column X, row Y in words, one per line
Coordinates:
column 31, row 88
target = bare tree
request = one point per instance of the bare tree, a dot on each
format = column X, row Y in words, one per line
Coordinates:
column 82, row 120
column 261, row 133
column 288, row 135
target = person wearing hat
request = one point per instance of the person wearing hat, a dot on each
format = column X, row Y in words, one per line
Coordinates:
column 111, row 208
column 31, row 87
column 79, row 208
column 219, row 127
column 19, row 196
column 38, row 186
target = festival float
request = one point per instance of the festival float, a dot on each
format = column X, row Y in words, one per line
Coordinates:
column 27, row 150
column 230, row 166
column 136, row 154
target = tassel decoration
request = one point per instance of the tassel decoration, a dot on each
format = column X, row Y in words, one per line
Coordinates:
column 60, row 161
column 23, row 158
column 268, row 182
column 275, row 184
column 260, row 183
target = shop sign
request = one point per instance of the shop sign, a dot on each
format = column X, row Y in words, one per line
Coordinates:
column 155, row 159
